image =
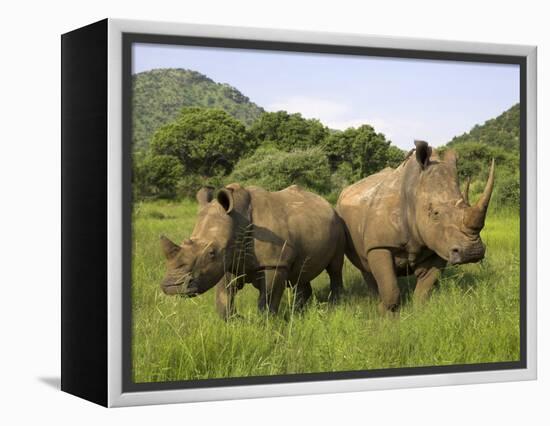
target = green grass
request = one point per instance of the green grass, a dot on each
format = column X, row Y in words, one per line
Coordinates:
column 472, row 317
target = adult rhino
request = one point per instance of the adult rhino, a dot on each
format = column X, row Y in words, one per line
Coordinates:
column 265, row 238
column 412, row 219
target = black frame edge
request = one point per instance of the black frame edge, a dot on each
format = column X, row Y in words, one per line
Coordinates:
column 84, row 212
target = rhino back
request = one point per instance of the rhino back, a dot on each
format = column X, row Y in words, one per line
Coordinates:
column 296, row 228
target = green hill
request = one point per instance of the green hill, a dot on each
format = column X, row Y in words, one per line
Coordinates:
column 160, row 94
column 498, row 139
column 502, row 131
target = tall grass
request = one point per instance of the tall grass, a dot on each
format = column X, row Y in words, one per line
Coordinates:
column 473, row 316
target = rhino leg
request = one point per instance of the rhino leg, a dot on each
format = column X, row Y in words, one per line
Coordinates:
column 334, row 270
column 225, row 297
column 303, row 294
column 381, row 264
column 372, row 288
column 272, row 285
column 427, row 273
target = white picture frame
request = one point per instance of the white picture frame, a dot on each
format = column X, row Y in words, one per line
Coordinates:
column 116, row 395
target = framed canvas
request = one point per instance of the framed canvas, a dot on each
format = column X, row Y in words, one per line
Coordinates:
column 251, row 213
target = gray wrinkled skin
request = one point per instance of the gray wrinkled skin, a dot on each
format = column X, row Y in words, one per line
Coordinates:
column 412, row 219
column 249, row 235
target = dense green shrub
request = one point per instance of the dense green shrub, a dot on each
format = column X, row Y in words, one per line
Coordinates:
column 287, row 132
column 207, row 142
column 188, row 185
column 273, row 170
column 474, row 159
column 365, row 151
column 339, row 179
column 156, row 175
column 507, row 190
column 205, row 146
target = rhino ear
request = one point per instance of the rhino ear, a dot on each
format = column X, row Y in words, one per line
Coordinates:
column 169, row 248
column 205, row 195
column 423, row 153
column 225, row 198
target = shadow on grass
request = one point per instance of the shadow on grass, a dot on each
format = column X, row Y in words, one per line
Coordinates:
column 464, row 279
column 356, row 287
column 353, row 287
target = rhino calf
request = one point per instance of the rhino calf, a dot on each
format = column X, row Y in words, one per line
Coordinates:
column 249, row 235
column 412, row 219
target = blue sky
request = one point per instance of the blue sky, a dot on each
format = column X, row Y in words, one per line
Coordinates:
column 405, row 99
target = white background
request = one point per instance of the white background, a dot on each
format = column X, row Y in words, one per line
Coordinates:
column 30, row 210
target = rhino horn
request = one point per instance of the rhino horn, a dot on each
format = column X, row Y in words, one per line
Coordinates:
column 466, row 195
column 169, row 248
column 475, row 215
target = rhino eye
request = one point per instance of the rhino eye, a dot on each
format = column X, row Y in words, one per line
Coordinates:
column 212, row 253
column 433, row 213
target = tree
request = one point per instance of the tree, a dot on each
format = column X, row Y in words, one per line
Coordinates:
column 395, row 156
column 273, row 169
column 207, row 142
column 365, row 151
column 287, row 132
column 156, row 175
column 474, row 159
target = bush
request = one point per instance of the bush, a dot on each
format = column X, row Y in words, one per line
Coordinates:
column 274, row 170
column 507, row 190
column 188, row 185
column 365, row 151
column 341, row 178
column 156, row 175
column 474, row 159
column 287, row 132
column 207, row 142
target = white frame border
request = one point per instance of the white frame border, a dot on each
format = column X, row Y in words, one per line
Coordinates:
column 114, row 216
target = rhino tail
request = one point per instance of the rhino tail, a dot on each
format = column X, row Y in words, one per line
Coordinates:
column 349, row 250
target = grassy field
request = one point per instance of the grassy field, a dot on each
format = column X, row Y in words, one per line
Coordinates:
column 472, row 317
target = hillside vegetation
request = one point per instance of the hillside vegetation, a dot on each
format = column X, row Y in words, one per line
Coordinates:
column 207, row 146
column 190, row 131
column 160, row 94
column 501, row 132
column 497, row 138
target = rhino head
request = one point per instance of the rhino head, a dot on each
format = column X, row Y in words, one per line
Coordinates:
column 200, row 261
column 443, row 218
